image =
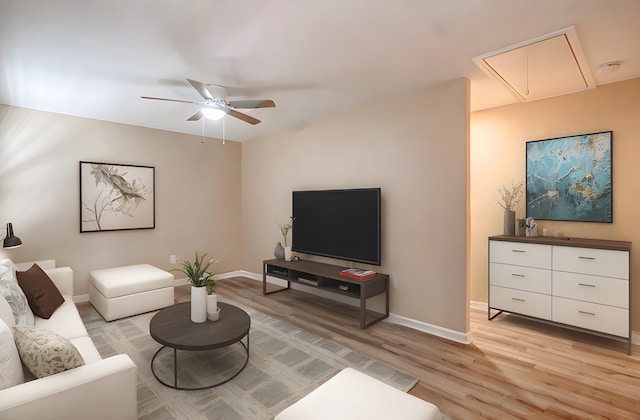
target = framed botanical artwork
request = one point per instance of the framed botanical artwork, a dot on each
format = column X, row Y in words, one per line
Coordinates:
column 116, row 197
column 569, row 178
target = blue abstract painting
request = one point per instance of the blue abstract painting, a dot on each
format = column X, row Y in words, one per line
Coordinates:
column 569, row 178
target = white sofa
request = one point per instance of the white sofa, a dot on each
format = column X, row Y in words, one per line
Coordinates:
column 101, row 389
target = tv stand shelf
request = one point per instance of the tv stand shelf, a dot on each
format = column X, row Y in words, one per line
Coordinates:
column 327, row 277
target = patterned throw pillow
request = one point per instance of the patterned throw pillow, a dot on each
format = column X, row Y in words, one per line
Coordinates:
column 44, row 352
column 12, row 292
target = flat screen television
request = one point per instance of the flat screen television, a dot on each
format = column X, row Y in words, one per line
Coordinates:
column 342, row 224
column 569, row 178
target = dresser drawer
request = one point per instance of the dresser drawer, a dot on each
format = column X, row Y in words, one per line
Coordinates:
column 521, row 302
column 517, row 253
column 597, row 262
column 518, row 277
column 603, row 318
column 604, row 290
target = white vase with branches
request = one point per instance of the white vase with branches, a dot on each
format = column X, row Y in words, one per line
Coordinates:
column 509, row 198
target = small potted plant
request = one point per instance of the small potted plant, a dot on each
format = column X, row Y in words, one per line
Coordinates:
column 202, row 283
column 285, row 232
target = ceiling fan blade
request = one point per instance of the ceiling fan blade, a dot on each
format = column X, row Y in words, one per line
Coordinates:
column 165, row 99
column 253, row 103
column 243, row 117
column 195, row 117
column 201, row 88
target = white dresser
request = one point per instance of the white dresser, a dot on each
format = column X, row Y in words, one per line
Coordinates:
column 582, row 283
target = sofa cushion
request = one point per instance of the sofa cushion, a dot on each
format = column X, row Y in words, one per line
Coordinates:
column 8, row 264
column 43, row 296
column 44, row 352
column 16, row 298
column 6, row 313
column 65, row 321
column 11, row 373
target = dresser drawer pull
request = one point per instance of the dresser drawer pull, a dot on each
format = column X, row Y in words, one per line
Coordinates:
column 517, row 299
column 587, row 258
column 517, row 275
column 587, row 313
column 586, row 285
column 518, row 250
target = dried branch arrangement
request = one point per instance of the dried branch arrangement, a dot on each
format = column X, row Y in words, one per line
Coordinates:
column 509, row 198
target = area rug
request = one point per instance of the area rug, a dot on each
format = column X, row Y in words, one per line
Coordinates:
column 285, row 364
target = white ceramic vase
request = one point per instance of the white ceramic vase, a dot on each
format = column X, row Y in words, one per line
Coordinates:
column 287, row 253
column 198, row 304
column 213, row 312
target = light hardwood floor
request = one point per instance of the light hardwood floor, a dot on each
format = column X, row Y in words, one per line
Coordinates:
column 515, row 368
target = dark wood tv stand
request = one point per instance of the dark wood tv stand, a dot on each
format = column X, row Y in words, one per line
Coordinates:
column 327, row 277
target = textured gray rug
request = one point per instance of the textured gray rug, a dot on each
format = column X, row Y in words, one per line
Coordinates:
column 285, row 364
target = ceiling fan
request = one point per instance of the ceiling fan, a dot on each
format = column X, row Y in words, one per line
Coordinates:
column 216, row 105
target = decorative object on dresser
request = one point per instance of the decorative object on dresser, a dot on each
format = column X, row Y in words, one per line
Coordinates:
column 509, row 198
column 532, row 227
column 578, row 283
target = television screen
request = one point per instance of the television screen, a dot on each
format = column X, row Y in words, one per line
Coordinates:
column 569, row 178
column 342, row 224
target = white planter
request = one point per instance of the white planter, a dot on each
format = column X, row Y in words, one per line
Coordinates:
column 198, row 304
column 213, row 312
column 287, row 253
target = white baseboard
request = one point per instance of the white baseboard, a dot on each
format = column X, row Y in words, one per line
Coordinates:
column 436, row 330
column 81, row 298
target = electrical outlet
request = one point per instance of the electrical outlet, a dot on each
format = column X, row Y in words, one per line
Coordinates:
column 395, row 283
column 172, row 259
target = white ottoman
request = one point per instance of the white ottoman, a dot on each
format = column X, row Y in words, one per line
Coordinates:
column 134, row 289
column 352, row 395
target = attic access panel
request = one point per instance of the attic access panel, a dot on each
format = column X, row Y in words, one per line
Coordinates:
column 539, row 68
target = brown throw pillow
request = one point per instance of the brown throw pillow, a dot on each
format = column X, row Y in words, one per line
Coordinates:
column 43, row 296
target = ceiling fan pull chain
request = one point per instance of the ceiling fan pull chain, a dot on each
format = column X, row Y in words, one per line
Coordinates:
column 203, row 130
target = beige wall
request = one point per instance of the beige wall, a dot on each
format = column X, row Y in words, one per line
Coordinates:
column 415, row 148
column 498, row 139
column 197, row 193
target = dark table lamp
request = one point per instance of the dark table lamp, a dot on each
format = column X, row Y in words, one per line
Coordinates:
column 11, row 241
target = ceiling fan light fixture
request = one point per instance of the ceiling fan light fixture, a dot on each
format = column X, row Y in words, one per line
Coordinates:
column 213, row 113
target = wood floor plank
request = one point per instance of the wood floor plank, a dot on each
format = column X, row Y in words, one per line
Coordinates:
column 514, row 368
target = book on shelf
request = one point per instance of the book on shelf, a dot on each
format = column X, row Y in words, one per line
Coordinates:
column 358, row 273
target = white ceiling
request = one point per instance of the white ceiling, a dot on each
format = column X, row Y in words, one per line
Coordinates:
column 95, row 58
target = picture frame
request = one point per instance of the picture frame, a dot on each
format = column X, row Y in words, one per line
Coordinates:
column 570, row 178
column 116, row 196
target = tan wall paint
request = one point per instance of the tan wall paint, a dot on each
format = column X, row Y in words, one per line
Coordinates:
column 415, row 148
column 197, row 193
column 498, row 158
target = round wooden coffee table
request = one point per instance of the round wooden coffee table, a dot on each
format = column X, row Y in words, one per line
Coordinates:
column 172, row 327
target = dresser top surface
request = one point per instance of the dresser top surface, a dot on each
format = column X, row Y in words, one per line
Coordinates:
column 573, row 242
